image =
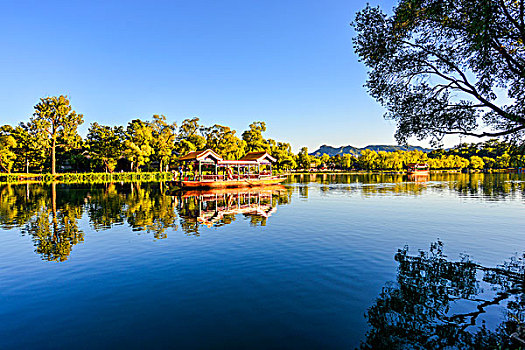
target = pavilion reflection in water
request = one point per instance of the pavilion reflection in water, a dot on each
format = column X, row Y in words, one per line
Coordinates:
column 217, row 207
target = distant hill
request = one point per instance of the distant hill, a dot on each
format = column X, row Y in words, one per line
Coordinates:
column 332, row 151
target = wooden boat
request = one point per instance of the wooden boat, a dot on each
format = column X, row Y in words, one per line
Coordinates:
column 228, row 183
column 254, row 169
column 418, row 169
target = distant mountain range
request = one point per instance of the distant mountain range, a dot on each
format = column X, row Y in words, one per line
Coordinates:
column 332, row 151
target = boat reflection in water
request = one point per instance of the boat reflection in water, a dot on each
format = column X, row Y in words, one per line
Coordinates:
column 418, row 177
column 217, row 207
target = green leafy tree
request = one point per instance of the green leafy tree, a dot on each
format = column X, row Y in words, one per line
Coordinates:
column 476, row 162
column 7, row 145
column 440, row 66
column 189, row 138
column 324, row 159
column 348, row 161
column 368, row 159
column 489, row 162
column 503, row 161
column 255, row 142
column 138, row 143
column 282, row 152
column 222, row 140
column 164, row 135
column 304, row 159
column 105, row 144
column 30, row 151
column 55, row 118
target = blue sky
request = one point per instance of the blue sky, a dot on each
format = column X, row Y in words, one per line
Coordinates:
column 288, row 63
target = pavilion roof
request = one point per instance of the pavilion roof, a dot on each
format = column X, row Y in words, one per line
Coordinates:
column 206, row 155
column 259, row 157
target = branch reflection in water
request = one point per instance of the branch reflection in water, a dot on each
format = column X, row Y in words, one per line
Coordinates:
column 437, row 303
column 50, row 213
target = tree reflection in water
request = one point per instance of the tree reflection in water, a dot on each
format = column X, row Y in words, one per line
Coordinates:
column 487, row 186
column 421, row 310
column 49, row 214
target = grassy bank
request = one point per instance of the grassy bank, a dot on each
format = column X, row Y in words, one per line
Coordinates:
column 86, row 177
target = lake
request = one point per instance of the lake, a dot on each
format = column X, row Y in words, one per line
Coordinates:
column 323, row 262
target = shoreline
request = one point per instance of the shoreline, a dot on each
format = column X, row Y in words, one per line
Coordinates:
column 73, row 178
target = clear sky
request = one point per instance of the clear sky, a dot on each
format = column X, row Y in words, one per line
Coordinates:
column 289, row 63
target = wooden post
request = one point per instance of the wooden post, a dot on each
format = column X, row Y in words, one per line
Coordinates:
column 200, row 174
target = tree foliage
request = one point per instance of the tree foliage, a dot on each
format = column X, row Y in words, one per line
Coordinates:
column 447, row 67
column 7, row 146
column 223, row 141
column 189, row 138
column 164, row 135
column 105, row 144
column 55, row 118
column 255, row 142
column 138, row 143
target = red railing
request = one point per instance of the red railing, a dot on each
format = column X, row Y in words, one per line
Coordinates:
column 196, row 177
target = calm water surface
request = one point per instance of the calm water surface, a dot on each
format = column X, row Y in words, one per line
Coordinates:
column 324, row 262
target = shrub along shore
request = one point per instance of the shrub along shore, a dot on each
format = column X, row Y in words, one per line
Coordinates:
column 93, row 178
column 87, row 177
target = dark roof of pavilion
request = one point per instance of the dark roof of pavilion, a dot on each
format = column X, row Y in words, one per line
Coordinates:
column 199, row 155
column 258, row 156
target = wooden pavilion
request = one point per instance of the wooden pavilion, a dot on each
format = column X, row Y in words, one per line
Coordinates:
column 210, row 170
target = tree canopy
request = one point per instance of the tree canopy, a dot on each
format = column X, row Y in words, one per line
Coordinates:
column 444, row 67
column 58, row 122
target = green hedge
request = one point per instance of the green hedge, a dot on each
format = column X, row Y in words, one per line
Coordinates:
column 88, row 177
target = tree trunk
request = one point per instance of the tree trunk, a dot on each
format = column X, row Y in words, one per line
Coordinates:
column 160, row 167
column 53, row 159
column 54, row 208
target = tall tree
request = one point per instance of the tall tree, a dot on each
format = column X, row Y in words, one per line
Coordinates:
column 304, row 159
column 255, row 142
column 138, row 143
column 222, row 140
column 7, row 145
column 105, row 144
column 29, row 148
column 189, row 138
column 56, row 119
column 164, row 135
column 282, row 152
column 447, row 66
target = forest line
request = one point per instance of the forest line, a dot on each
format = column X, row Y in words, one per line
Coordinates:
column 49, row 143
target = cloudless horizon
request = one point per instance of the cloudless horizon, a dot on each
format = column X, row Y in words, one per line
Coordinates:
column 288, row 63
